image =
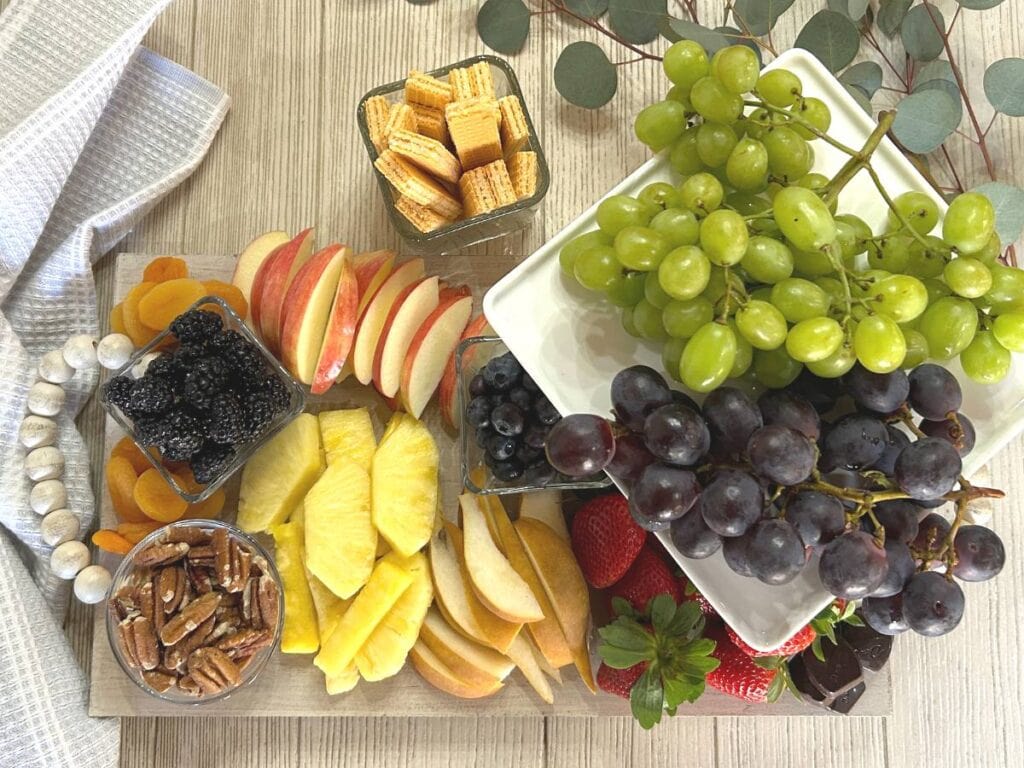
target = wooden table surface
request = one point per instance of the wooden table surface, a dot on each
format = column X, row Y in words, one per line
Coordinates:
column 289, row 156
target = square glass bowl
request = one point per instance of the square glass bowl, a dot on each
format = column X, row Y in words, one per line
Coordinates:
column 166, row 342
column 470, row 357
column 486, row 226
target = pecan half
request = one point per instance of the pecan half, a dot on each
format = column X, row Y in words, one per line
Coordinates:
column 190, row 617
column 125, row 602
column 221, row 556
column 203, row 555
column 157, row 680
column 187, row 685
column 176, row 656
column 138, row 643
column 194, row 537
column 241, row 564
column 213, row 670
column 161, row 554
column 245, row 642
column 199, row 577
column 171, row 585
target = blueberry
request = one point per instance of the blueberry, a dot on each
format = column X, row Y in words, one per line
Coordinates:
column 545, row 412
column 483, row 435
column 529, row 384
column 528, row 455
column 507, row 471
column 507, row 420
column 534, row 436
column 502, row 373
column 478, row 412
column 477, row 386
column 501, row 447
column 540, row 473
column 521, row 398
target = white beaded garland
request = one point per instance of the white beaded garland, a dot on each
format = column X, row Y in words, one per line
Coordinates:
column 92, row 583
column 54, row 368
column 80, row 352
column 139, row 369
column 45, row 463
column 45, row 399
column 59, row 526
column 68, row 559
column 114, row 350
column 48, row 496
column 37, row 431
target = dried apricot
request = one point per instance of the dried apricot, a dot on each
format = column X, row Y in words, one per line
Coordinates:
column 121, row 479
column 112, row 541
column 136, row 532
column 209, row 509
column 133, row 326
column 230, row 293
column 165, row 268
column 157, row 499
column 168, row 300
column 117, row 319
column 126, row 448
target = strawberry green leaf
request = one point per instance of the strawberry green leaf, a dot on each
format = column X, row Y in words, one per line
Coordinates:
column 621, row 658
column 817, row 650
column 646, row 698
column 663, row 611
column 854, row 620
column 768, row 662
column 686, row 620
column 628, row 634
column 680, row 690
column 622, row 607
column 775, row 689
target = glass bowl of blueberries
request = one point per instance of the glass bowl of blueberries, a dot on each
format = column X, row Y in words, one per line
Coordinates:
column 505, row 421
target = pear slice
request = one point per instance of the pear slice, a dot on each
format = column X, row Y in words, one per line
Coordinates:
column 470, row 660
column 523, row 654
column 439, row 675
column 545, row 506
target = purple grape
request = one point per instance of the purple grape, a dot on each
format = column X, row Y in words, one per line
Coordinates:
column 637, row 392
column 676, row 434
column 899, row 518
column 731, row 503
column 927, row 469
column 932, row 604
column 852, row 565
column 817, row 517
column 775, row 552
column 900, row 567
column 960, row 433
column 731, row 417
column 580, row 445
column 934, row 392
column 734, row 550
column 884, row 614
column 662, row 494
column 980, row 553
column 879, row 392
column 788, row 410
column 693, row 538
column 631, row 456
column 931, row 532
column 781, row 454
column 895, row 442
column 855, row 442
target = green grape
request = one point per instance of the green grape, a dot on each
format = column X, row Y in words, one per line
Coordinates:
column 1007, row 291
column 685, row 62
column 835, row 365
column 1009, row 330
column 918, row 209
column 936, row 289
column 917, row 347
column 714, row 102
column 679, row 225
column 628, row 290
column 757, row 122
column 737, row 67
column 747, row 165
column 684, row 272
column 901, row 297
column 847, row 241
column 653, row 291
column 813, row 111
column 598, row 268
column 879, row 344
column 927, row 261
column 641, row 248
column 812, row 340
column 671, row 354
column 774, row 368
column 724, row 237
column 678, row 93
column 659, row 196
column 989, row 252
column 985, row 360
column 861, row 233
column 866, row 280
column 762, row 324
column 779, row 87
column 714, row 143
column 948, row 326
column 814, row 263
column 708, row 358
column 967, row 277
column 627, row 323
column 835, row 290
column 717, row 285
column 682, row 319
column 660, row 124
column 744, row 352
column 683, row 157
column 767, row 260
column 702, row 193
column 763, row 293
column 818, row 183
column 617, row 212
column 891, row 253
column 789, row 155
column 572, row 250
column 647, row 320
column 969, row 222
column 798, row 299
column 804, row 219
column 747, row 204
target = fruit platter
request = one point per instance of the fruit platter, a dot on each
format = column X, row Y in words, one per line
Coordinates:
column 710, row 450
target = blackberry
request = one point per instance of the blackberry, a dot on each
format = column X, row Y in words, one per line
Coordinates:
column 225, row 422
column 210, row 462
column 164, row 367
column 152, row 430
column 275, row 389
column 240, row 354
column 118, row 392
column 184, row 435
column 197, row 327
column 259, row 411
column 150, row 396
column 205, row 381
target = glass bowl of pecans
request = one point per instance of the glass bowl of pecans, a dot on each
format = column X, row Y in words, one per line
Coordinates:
column 195, row 611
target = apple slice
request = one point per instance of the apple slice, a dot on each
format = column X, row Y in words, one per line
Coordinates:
column 371, row 321
column 522, row 654
column 495, row 581
column 555, row 564
column 259, row 281
column 546, row 506
column 467, row 658
column 432, row 346
column 277, row 275
column 441, row 677
column 447, row 397
column 339, row 333
column 307, row 309
column 372, row 268
column 252, row 257
column 404, row 320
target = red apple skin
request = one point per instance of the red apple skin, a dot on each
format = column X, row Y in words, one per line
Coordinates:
column 258, row 283
column 296, row 300
column 378, row 355
column 340, row 333
column 446, row 395
column 244, row 275
column 371, row 269
column 413, row 266
column 280, row 274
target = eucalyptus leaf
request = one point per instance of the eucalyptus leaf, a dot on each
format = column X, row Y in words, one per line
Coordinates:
column 503, row 25
column 831, row 37
column 647, row 698
column 1008, row 201
column 855, row 9
column 734, row 36
column 636, row 20
column 861, row 97
column 584, row 76
column 948, row 88
column 939, row 69
column 924, row 120
column 891, row 14
column 588, row 9
column 1004, row 86
column 760, row 16
column 979, row 5
column 920, row 32
column 866, row 75
column 673, row 30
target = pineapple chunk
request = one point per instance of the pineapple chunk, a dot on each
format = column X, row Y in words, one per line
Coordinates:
column 404, row 487
column 384, row 654
column 369, row 608
column 298, row 515
column 344, row 681
column 300, row 633
column 278, row 475
column 340, row 538
column 348, row 434
column 329, row 610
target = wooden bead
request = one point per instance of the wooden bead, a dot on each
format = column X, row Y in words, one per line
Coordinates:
column 92, row 584
column 54, row 369
column 80, row 352
column 46, row 463
column 45, row 399
column 59, row 526
column 68, row 559
column 114, row 350
column 48, row 496
column 37, row 431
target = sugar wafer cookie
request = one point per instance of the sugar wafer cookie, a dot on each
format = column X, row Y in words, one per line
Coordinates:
column 428, row 91
column 477, row 196
column 417, row 185
column 377, row 110
column 514, row 131
column 461, row 81
column 482, row 80
column 501, row 183
column 421, row 217
column 474, row 131
column 429, row 154
column 401, row 117
column 522, row 169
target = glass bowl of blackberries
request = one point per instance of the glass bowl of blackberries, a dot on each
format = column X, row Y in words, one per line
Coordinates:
column 505, row 422
column 201, row 398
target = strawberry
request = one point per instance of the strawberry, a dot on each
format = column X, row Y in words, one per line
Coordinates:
column 744, row 678
column 606, row 539
column 691, row 594
column 647, row 576
column 619, row 681
column 794, row 645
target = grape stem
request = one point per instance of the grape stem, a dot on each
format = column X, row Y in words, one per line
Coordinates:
column 837, row 264
column 803, row 123
column 904, row 222
column 859, row 160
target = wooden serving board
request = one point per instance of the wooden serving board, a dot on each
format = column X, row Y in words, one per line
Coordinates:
column 290, row 685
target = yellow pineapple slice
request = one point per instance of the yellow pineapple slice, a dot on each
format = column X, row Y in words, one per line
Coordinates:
column 300, row 633
column 384, row 654
column 278, row 475
column 348, row 434
column 404, row 487
column 340, row 538
column 368, row 609
column 344, row 681
column 329, row 610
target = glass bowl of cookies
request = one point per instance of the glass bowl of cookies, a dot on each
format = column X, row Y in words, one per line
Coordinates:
column 455, row 153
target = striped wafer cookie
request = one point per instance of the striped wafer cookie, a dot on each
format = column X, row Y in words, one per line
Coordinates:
column 522, row 169
column 514, row 131
column 482, row 80
column 461, row 82
column 400, row 118
column 421, row 217
column 430, row 122
column 413, row 183
column 427, row 91
column 429, row 154
column 377, row 111
column 501, row 183
column 474, row 131
column 477, row 196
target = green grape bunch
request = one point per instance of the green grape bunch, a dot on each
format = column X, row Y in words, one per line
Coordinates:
column 744, row 266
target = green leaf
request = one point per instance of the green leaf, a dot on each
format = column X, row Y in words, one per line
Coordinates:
column 647, row 698
column 938, row 69
column 861, row 97
column 979, row 5
column 636, row 20
column 1008, row 201
column 854, row 621
column 628, row 635
column 760, row 16
column 1004, row 86
column 663, row 610
column 685, row 620
column 921, row 37
column 678, row 691
column 673, row 30
column 817, row 650
column 950, row 89
column 584, row 76
column 924, row 120
column 622, row 607
column 867, row 76
column 588, row 9
column 891, row 14
column 854, row 9
column 621, row 658
column 503, row 25
column 831, row 37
